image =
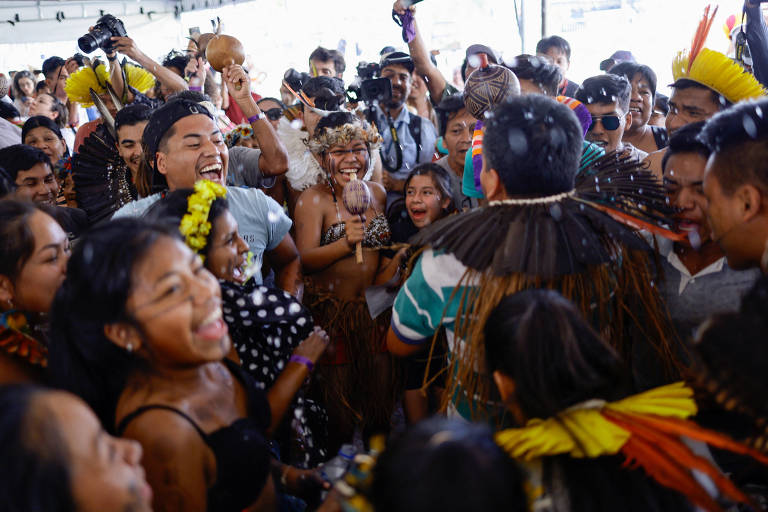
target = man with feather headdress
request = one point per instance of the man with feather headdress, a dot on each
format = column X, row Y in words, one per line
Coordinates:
column 706, row 82
column 546, row 225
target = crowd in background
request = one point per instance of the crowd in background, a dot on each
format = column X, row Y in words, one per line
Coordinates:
column 502, row 291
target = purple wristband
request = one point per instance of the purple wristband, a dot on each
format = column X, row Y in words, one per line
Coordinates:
column 197, row 88
column 260, row 115
column 302, row 360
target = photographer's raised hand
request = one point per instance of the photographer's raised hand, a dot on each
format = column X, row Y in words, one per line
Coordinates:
column 128, row 47
column 195, row 72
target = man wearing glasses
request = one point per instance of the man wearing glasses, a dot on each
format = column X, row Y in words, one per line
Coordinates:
column 607, row 99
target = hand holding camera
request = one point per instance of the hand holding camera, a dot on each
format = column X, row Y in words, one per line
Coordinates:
column 102, row 34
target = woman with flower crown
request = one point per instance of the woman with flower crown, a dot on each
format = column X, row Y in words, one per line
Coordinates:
column 271, row 331
column 33, row 260
column 356, row 376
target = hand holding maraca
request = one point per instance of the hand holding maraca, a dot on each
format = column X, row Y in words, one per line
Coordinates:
column 357, row 199
column 238, row 82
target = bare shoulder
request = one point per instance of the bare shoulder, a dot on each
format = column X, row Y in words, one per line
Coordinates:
column 378, row 191
column 167, row 431
column 653, row 162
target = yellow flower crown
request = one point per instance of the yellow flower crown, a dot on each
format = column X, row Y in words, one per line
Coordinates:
column 78, row 85
column 195, row 225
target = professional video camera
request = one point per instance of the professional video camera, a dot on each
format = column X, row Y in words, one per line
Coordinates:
column 366, row 88
column 99, row 36
column 296, row 79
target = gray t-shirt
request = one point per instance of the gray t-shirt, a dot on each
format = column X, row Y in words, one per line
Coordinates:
column 244, row 169
column 692, row 298
column 461, row 202
column 262, row 222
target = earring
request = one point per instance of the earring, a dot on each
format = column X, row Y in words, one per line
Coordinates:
column 129, row 347
column 10, row 303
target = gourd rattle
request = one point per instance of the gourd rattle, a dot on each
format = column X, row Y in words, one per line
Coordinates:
column 222, row 51
column 357, row 199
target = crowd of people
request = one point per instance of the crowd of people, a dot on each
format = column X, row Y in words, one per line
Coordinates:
column 500, row 291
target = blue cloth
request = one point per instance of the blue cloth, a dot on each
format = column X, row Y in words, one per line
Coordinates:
column 408, row 144
column 261, row 221
column 757, row 39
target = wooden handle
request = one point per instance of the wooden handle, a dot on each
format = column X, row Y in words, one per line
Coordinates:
column 359, row 252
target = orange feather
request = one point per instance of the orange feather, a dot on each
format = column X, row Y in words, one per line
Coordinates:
column 702, row 31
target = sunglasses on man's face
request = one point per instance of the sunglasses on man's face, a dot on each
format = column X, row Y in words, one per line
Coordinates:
column 273, row 114
column 610, row 123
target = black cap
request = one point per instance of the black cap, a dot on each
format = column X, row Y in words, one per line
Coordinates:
column 617, row 58
column 164, row 118
column 481, row 48
column 397, row 59
column 51, row 64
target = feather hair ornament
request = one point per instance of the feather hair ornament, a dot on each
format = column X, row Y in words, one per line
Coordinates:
column 713, row 69
column 80, row 83
column 102, row 179
column 646, row 429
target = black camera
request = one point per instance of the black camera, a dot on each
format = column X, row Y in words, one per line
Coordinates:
column 296, row 79
column 368, row 89
column 99, row 37
column 368, row 70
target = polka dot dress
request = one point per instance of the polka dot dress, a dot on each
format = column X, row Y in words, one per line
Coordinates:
column 266, row 325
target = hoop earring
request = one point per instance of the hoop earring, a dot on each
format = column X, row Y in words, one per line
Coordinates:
column 129, row 347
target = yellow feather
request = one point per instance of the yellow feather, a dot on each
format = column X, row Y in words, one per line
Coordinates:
column 139, row 78
column 716, row 71
column 78, row 84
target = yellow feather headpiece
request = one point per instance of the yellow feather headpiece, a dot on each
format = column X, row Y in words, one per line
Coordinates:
column 714, row 70
column 79, row 84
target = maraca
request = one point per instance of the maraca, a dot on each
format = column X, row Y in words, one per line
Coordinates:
column 357, row 200
column 222, row 51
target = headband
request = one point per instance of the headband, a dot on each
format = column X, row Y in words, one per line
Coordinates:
column 164, row 118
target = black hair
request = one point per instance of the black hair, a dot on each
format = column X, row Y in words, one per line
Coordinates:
column 21, row 157
column 8, row 111
column 556, row 359
column 447, row 109
column 737, row 137
column 554, row 42
column 441, row 178
column 79, row 58
column 51, row 64
column 686, row 140
column 176, row 60
column 334, row 120
column 132, row 114
column 17, row 78
column 7, row 184
column 99, row 279
column 41, row 86
column 630, row 69
column 534, row 144
column 196, row 96
column 171, row 209
column 269, row 98
column 327, row 92
column 38, row 121
column 448, row 466
column 718, row 99
column 63, row 118
column 17, row 242
column 538, row 69
column 35, row 474
column 324, row 55
column 661, row 103
column 606, row 88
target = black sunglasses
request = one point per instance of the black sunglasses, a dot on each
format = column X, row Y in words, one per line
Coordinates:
column 610, row 123
column 273, row 114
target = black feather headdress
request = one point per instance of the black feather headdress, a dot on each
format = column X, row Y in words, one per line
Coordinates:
column 560, row 234
column 102, row 179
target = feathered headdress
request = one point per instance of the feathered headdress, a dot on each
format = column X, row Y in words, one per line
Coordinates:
column 646, row 429
column 713, row 69
column 78, row 85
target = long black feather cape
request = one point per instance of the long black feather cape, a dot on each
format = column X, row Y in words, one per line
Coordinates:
column 102, row 179
column 560, row 235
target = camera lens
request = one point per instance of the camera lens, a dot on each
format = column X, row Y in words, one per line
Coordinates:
column 98, row 37
column 88, row 43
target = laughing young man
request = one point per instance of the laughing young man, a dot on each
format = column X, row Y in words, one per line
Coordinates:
column 184, row 145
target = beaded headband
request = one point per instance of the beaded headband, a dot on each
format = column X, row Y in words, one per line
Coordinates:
column 343, row 135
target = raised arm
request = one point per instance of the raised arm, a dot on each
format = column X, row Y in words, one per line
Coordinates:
column 127, row 47
column 757, row 38
column 274, row 158
column 418, row 49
